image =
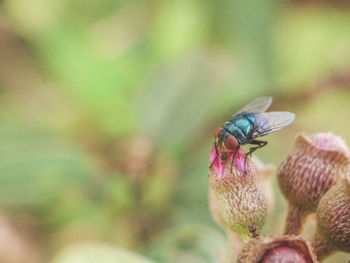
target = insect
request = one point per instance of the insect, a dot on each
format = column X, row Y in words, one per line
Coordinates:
column 252, row 230
column 246, row 125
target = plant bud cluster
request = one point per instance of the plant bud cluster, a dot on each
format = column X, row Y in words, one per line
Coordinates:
column 314, row 178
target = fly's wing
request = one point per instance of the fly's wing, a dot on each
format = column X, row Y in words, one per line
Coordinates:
column 270, row 122
column 258, row 105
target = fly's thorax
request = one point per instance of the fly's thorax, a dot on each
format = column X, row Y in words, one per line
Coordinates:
column 240, row 127
column 251, row 118
column 243, row 123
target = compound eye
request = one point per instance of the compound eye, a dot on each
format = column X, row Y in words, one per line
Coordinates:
column 218, row 130
column 231, row 143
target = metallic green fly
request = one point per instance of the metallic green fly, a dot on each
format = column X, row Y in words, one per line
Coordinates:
column 246, row 125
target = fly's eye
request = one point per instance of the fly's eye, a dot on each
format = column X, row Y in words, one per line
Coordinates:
column 218, row 130
column 231, row 143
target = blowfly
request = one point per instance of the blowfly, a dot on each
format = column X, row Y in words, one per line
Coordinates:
column 246, row 125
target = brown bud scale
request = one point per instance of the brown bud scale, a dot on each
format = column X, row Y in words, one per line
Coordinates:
column 268, row 249
column 333, row 215
column 312, row 168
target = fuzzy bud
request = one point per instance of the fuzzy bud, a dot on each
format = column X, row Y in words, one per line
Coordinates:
column 282, row 249
column 239, row 202
column 265, row 172
column 309, row 171
column 333, row 217
column 234, row 239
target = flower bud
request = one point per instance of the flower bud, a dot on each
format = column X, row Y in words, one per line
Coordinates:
column 234, row 240
column 333, row 220
column 308, row 172
column 215, row 210
column 282, row 249
column 264, row 182
column 239, row 202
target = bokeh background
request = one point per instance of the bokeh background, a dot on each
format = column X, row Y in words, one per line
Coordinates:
column 108, row 109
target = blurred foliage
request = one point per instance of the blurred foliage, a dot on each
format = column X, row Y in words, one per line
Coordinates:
column 108, row 110
column 97, row 252
column 190, row 243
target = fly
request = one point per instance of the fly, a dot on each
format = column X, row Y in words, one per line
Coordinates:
column 246, row 125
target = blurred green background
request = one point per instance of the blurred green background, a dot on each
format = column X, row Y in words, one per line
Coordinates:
column 108, row 110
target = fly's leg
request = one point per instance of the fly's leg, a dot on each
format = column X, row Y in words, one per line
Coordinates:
column 256, row 142
column 253, row 149
column 234, row 155
column 217, row 154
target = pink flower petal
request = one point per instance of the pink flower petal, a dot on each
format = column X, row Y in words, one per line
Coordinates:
column 220, row 165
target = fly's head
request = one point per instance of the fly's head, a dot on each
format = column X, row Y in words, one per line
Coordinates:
column 224, row 141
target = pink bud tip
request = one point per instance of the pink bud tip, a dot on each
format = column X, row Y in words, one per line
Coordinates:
column 330, row 142
column 220, row 165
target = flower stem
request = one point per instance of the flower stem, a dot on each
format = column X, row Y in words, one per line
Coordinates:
column 236, row 244
column 322, row 248
column 295, row 220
